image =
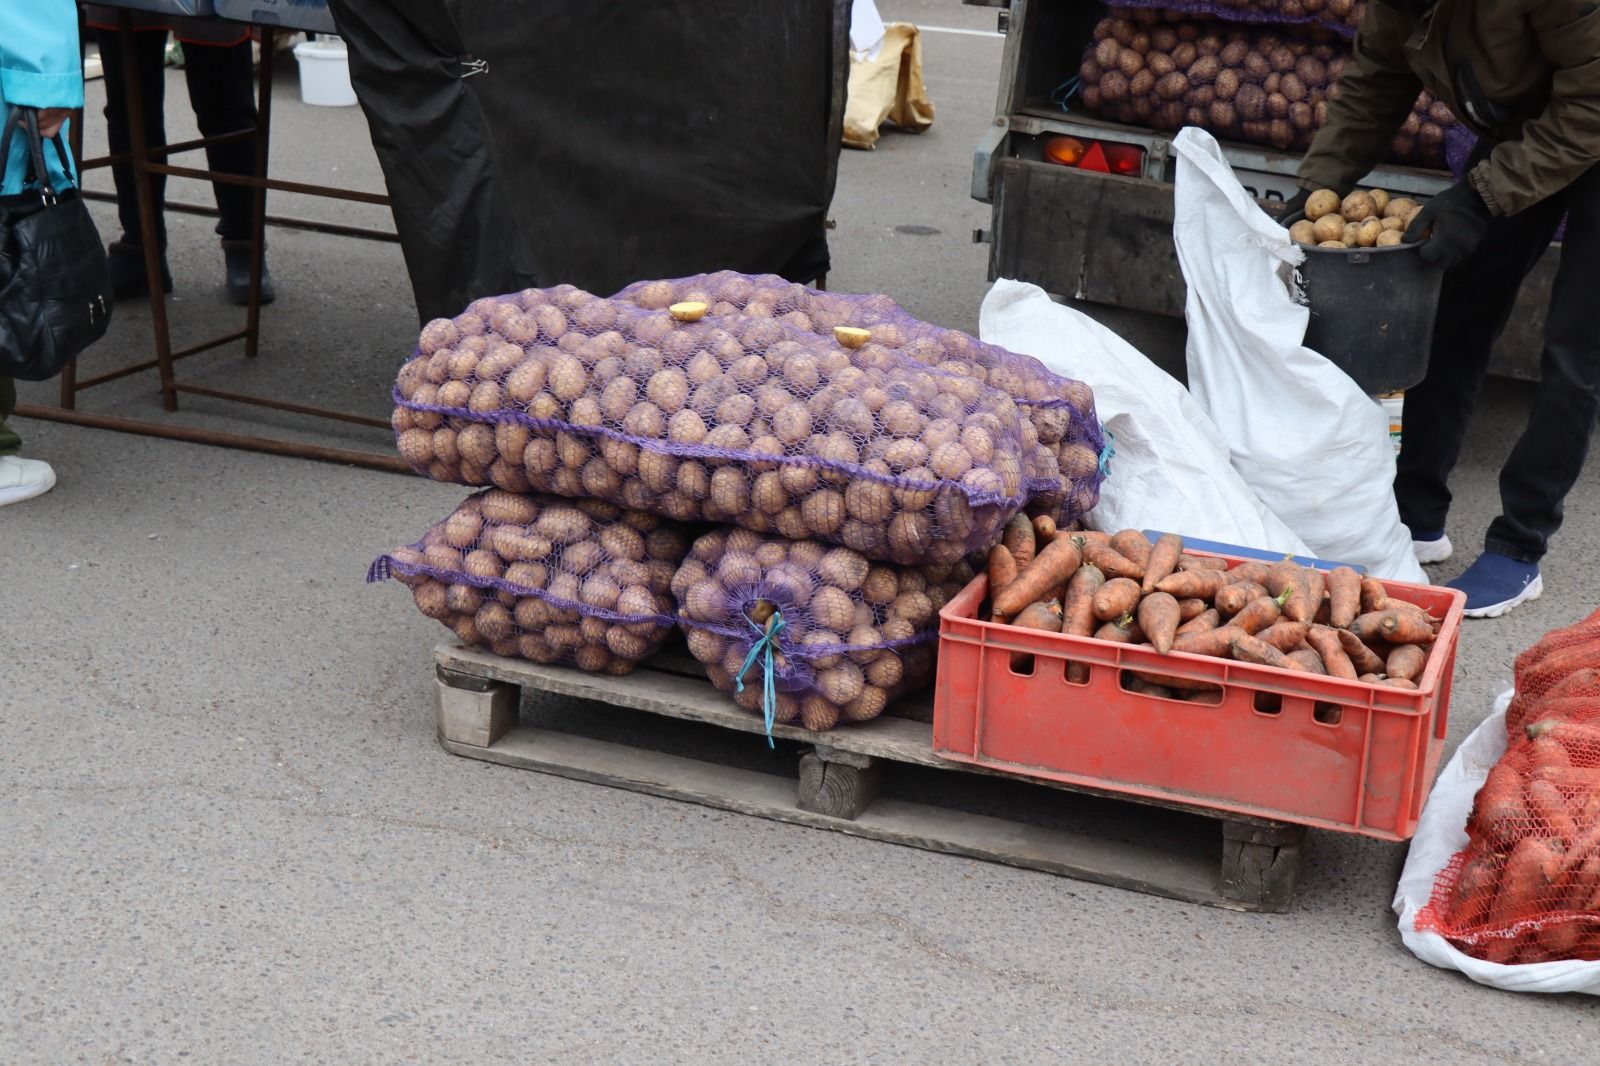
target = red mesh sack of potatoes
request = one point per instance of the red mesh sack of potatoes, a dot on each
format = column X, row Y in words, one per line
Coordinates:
column 1526, row 888
column 1244, row 83
column 1062, row 437
column 739, row 419
column 547, row 579
column 802, row 631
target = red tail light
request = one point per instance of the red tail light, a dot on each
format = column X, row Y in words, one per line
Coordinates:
column 1104, row 157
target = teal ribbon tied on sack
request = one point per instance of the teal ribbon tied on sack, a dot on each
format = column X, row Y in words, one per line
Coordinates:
column 1106, row 453
column 766, row 643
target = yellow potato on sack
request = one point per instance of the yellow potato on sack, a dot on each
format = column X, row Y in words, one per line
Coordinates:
column 1304, row 232
column 1329, row 227
column 1320, row 203
column 1389, row 238
column 851, row 336
column 688, row 311
column 1368, row 232
column 1358, row 206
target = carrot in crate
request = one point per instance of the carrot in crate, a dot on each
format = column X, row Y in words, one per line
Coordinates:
column 1163, row 560
column 1048, row 571
column 1158, row 617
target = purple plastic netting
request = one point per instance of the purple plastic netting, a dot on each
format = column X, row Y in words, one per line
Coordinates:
column 1063, row 439
column 848, row 635
column 1258, row 85
column 546, row 579
column 738, row 419
column 1340, row 16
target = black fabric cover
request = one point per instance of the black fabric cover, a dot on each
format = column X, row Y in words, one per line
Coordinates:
column 602, row 143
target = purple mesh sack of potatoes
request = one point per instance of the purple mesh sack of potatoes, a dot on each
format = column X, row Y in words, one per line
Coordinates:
column 1341, row 16
column 1062, row 437
column 745, row 420
column 547, row 579
column 803, row 631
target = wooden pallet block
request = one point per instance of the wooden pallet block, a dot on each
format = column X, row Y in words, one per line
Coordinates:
column 479, row 696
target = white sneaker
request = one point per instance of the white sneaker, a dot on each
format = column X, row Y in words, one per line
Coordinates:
column 23, row 479
column 1432, row 551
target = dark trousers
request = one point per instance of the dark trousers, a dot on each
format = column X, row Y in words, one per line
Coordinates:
column 1474, row 305
column 221, row 91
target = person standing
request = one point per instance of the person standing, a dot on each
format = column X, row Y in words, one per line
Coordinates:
column 40, row 67
column 1524, row 75
column 219, row 71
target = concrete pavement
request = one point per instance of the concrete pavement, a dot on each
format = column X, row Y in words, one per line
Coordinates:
column 227, row 833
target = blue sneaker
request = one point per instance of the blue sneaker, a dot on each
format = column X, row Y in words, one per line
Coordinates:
column 1496, row 583
column 1431, row 546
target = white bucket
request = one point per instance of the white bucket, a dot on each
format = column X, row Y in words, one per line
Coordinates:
column 325, row 73
column 1394, row 407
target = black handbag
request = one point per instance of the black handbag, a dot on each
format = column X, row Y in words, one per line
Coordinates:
column 55, row 284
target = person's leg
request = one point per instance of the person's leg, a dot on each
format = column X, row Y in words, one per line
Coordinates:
column 1475, row 302
column 10, row 443
column 1549, row 455
column 221, row 80
column 125, row 257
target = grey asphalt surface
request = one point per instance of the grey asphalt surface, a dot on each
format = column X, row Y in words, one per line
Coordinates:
column 228, row 834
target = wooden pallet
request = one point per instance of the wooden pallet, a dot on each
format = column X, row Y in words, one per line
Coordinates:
column 838, row 778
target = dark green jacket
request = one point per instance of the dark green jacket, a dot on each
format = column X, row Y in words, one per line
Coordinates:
column 1522, row 74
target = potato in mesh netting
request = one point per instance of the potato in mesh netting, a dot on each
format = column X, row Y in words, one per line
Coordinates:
column 847, row 635
column 547, row 579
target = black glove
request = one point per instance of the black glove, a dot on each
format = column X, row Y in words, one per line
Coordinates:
column 1449, row 226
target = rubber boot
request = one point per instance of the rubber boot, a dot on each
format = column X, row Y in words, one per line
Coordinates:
column 126, row 261
column 236, row 256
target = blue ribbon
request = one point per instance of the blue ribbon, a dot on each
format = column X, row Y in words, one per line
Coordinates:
column 767, row 640
column 1106, row 453
column 1064, row 92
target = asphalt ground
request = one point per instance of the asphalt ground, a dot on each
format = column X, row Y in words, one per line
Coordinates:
column 228, row 834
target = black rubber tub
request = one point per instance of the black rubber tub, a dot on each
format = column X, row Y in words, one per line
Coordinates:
column 1372, row 312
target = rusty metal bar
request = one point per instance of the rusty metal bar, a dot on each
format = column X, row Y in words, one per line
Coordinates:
column 183, row 353
column 101, row 161
column 280, row 405
column 292, row 449
column 274, row 184
column 336, row 229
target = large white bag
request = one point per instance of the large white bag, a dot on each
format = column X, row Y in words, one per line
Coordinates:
column 1441, row 832
column 1302, row 434
column 1171, row 469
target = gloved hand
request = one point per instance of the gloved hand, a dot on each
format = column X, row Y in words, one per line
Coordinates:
column 1449, row 226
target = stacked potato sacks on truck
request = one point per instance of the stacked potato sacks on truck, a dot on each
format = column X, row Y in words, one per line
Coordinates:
column 847, row 458
column 1267, row 85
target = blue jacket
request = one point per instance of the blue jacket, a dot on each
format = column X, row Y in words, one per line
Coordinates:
column 39, row 67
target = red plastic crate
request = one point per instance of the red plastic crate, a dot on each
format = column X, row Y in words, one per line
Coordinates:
column 1335, row 754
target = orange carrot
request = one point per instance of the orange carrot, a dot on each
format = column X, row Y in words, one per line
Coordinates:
column 1399, row 682
column 1201, row 562
column 1002, row 569
column 1209, row 619
column 1373, row 595
column 1019, row 541
column 1196, row 584
column 1133, row 545
column 1192, row 608
column 1574, row 736
column 1258, row 615
column 1217, row 643
column 1093, row 535
column 1078, row 607
column 1236, row 597
column 1250, row 649
column 1498, row 810
column 1211, row 695
column 1547, row 752
column 1284, row 575
column 1176, row 684
column 1044, row 615
column 1344, row 596
column 1406, row 662
column 1158, row 617
column 1325, row 642
column 1316, row 593
column 1371, row 679
column 1286, row 636
column 1474, row 891
column 1363, row 658
column 1111, row 562
column 1163, row 561
column 1583, row 779
column 1297, row 606
column 1123, row 630
column 1549, row 810
column 1525, row 880
column 1135, row 683
column 1116, row 598
column 1308, row 660
column 1044, row 530
column 1254, row 570
column 1050, row 569
column 1397, row 627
